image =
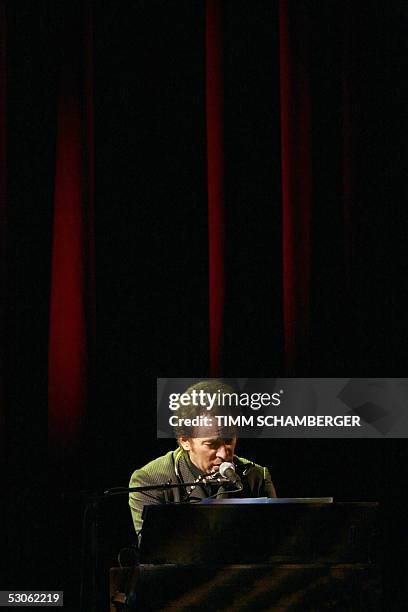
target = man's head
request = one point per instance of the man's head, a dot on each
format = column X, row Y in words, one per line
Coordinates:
column 209, row 444
column 208, row 453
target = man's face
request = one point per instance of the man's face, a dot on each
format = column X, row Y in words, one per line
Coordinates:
column 207, row 454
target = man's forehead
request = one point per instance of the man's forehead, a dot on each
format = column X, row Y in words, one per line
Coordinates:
column 217, row 439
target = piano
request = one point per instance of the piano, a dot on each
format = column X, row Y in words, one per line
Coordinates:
column 257, row 554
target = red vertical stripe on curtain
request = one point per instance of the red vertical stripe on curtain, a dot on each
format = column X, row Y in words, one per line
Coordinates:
column 3, row 218
column 215, row 177
column 89, row 120
column 296, row 182
column 67, row 343
column 71, row 256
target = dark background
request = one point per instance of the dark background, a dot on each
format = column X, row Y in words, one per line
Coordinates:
column 151, row 259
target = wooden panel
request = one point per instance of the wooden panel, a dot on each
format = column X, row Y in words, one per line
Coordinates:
column 253, row 587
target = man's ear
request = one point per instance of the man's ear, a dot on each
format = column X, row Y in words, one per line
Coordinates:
column 185, row 443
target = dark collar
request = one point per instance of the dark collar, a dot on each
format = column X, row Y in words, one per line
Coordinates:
column 193, row 468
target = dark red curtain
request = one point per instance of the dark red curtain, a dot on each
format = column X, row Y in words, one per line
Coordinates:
column 317, row 301
column 296, row 143
column 251, row 246
column 348, row 159
column 250, row 181
column 300, row 173
column 3, row 215
column 72, row 273
column 215, row 177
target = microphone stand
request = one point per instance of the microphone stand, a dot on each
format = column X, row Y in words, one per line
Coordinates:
column 92, row 509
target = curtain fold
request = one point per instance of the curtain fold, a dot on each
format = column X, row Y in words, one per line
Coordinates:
column 3, row 216
column 296, row 158
column 215, row 179
column 72, row 273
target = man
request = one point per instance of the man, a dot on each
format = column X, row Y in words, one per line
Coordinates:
column 200, row 453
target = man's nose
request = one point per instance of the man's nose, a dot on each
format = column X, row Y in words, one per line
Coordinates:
column 222, row 452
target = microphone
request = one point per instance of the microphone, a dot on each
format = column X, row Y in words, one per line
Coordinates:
column 227, row 470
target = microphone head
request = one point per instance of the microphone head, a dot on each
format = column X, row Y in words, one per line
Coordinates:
column 224, row 467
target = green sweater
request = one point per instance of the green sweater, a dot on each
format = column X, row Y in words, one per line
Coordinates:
column 174, row 466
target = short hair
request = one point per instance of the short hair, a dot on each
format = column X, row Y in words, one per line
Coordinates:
column 216, row 388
